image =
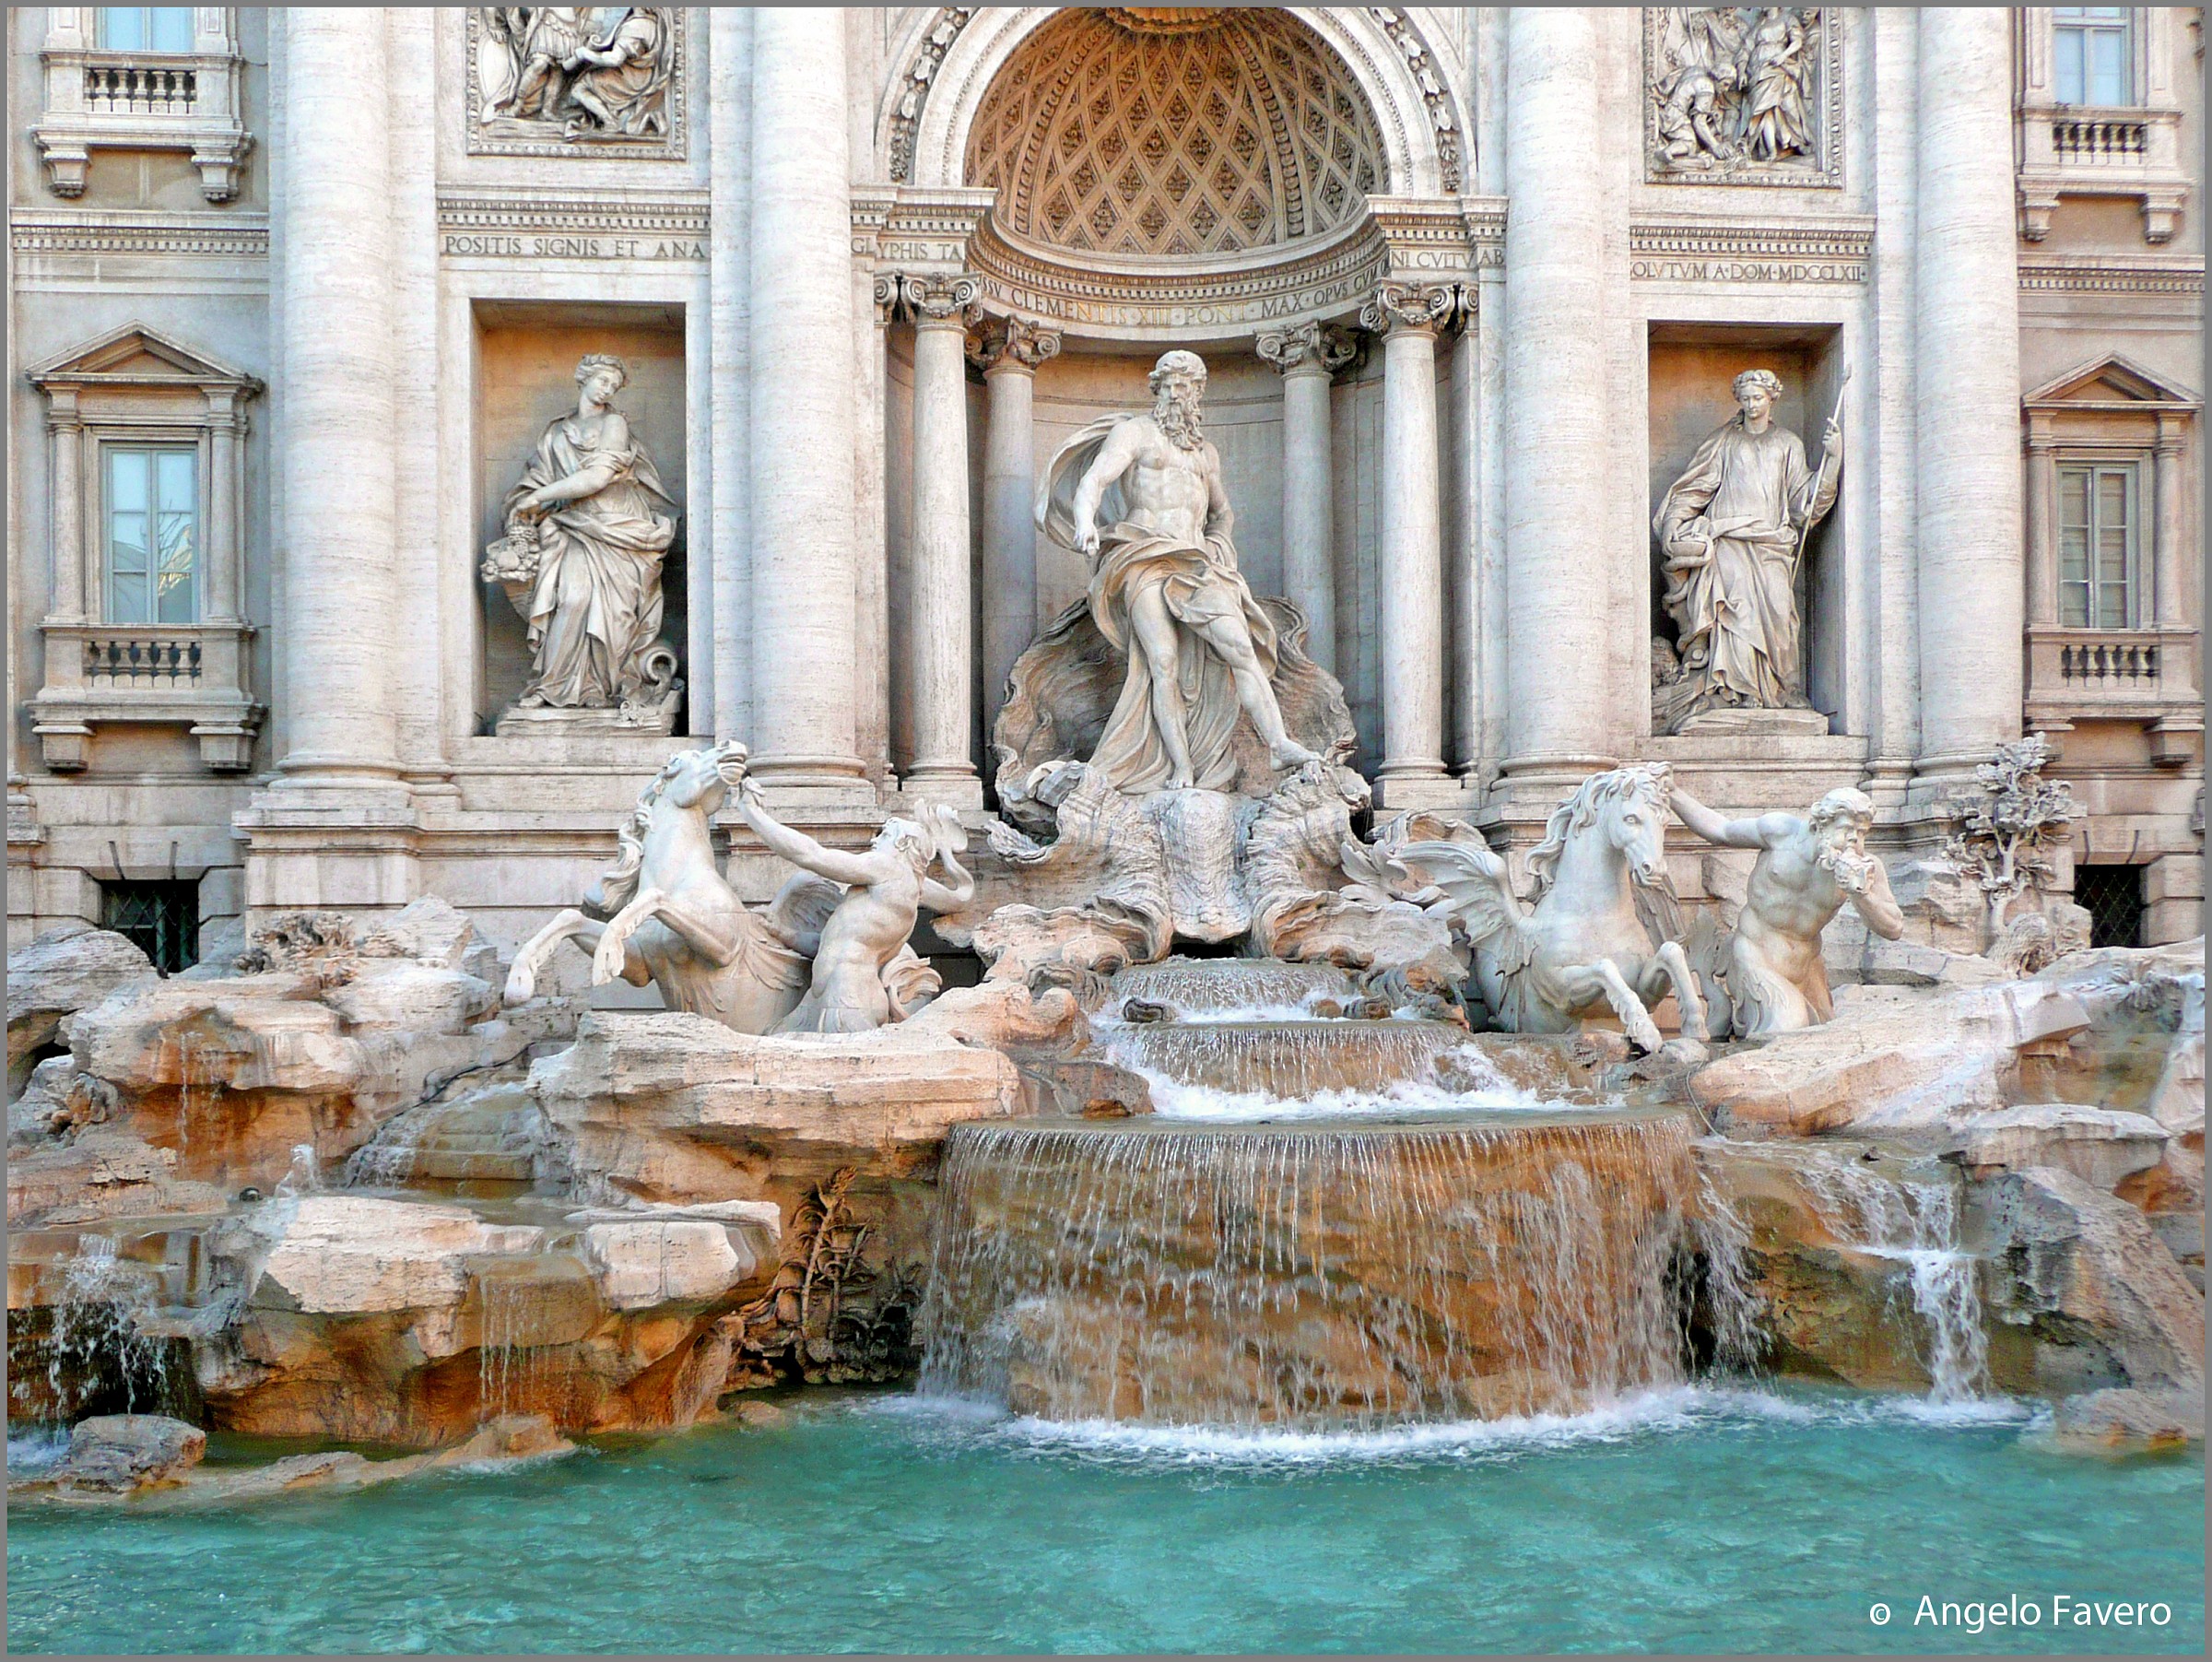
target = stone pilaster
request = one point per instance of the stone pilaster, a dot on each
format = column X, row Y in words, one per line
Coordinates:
column 65, row 598
column 1409, row 317
column 800, row 378
column 1308, row 358
column 2041, row 510
column 729, row 178
column 939, row 625
column 1007, row 350
column 1556, row 440
column 1966, row 373
column 2170, row 607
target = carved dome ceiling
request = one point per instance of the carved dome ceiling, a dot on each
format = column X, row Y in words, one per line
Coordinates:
column 1174, row 132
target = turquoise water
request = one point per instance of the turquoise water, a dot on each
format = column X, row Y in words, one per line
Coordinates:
column 1695, row 1520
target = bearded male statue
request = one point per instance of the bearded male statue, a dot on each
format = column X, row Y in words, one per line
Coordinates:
column 1140, row 498
column 1805, row 870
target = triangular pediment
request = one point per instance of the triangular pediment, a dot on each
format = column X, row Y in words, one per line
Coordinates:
column 2108, row 381
column 137, row 356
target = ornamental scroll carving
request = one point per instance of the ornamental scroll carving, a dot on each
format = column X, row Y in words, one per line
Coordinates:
column 1743, row 95
column 576, row 80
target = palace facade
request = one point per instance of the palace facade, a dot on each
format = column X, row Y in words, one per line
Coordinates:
column 296, row 297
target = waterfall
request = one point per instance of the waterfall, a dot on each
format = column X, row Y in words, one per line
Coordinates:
column 1916, row 1224
column 1347, row 1276
column 1195, row 987
column 94, row 1347
column 387, row 1160
column 505, row 1365
column 1285, row 1060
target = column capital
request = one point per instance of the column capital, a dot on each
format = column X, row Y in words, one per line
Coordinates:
column 2171, row 423
column 930, row 299
column 1011, row 343
column 2039, row 436
column 1423, row 308
column 1313, row 348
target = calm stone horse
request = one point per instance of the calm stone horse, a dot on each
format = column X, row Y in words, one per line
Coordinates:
column 664, row 915
column 1600, row 933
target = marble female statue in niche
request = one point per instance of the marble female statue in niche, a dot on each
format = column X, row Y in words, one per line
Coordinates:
column 1733, row 530
column 581, row 561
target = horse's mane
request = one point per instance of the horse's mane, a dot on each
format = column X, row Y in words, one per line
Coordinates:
column 1642, row 781
column 618, row 886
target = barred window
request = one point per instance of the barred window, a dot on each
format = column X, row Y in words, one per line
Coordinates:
column 152, row 507
column 2093, row 55
column 2096, row 537
column 2112, row 895
column 161, row 918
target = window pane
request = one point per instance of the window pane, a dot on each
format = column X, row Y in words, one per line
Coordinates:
column 171, row 27
column 127, row 524
column 126, row 597
column 126, row 481
column 2108, row 84
column 123, row 28
column 2066, row 65
column 177, row 495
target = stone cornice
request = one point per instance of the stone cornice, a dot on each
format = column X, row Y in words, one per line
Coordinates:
column 2112, row 273
column 1699, row 248
column 220, row 236
column 617, row 213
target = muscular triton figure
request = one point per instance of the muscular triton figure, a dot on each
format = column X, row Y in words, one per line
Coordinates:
column 1140, row 497
column 1807, row 869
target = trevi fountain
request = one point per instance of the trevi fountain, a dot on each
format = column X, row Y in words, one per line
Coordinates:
column 1275, row 1158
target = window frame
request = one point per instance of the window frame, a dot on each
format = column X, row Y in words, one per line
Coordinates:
column 2094, row 465
column 100, row 29
column 2089, row 29
column 111, row 446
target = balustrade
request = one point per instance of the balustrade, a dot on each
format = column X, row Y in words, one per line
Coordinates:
column 141, row 663
column 2094, row 140
column 136, row 88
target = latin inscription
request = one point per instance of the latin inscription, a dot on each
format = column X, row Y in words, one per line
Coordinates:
column 1750, row 271
column 564, row 245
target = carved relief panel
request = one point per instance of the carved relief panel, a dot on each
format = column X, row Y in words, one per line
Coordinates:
column 576, row 80
column 1743, row 95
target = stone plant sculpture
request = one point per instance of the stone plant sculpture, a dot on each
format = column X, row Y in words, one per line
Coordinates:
column 1807, row 869
column 2010, row 833
column 1602, row 933
column 581, row 561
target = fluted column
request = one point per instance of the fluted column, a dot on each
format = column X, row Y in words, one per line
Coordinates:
column 340, row 528
column 939, row 625
column 2166, row 534
column 2042, row 526
column 1308, row 358
column 1557, row 438
column 1967, row 374
column 66, row 602
column 1410, row 317
column 801, row 400
column 1007, row 350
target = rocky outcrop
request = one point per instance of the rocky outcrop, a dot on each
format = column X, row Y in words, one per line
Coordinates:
column 2092, row 1285
column 65, row 970
column 125, row 1454
column 2101, row 1147
column 2130, row 1421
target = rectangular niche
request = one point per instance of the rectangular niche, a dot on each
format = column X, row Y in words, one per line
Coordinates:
column 526, row 357
column 1692, row 372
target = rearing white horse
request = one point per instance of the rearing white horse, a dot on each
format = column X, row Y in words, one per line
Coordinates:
column 1600, row 934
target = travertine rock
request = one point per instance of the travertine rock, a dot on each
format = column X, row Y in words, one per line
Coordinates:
column 2089, row 1277
column 119, row 1454
column 65, row 970
column 663, row 1260
column 2130, row 1420
column 342, row 1253
column 2097, row 1145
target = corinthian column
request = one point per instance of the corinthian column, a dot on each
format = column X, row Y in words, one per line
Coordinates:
column 340, row 529
column 1966, row 373
column 801, row 400
column 1555, row 441
column 1308, row 358
column 940, row 620
column 1410, row 317
column 1007, row 350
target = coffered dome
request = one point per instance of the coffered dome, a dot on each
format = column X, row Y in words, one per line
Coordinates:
column 1174, row 132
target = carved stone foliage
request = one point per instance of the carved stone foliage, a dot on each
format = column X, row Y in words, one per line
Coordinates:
column 1108, row 133
column 1430, row 306
column 1743, row 95
column 1310, row 346
column 556, row 80
column 2011, row 830
column 997, row 341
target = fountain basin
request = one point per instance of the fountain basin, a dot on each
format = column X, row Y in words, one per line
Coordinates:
column 1321, row 1274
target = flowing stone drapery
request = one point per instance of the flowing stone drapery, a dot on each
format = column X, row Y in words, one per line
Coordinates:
column 801, row 441
column 1308, row 358
column 939, row 622
column 1412, row 773
column 1556, row 440
column 340, row 509
column 1968, row 393
column 1007, row 350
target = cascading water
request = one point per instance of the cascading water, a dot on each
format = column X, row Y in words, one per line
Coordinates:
column 1352, row 1275
column 1916, row 1223
column 1196, row 986
column 95, row 1348
column 1288, row 1060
